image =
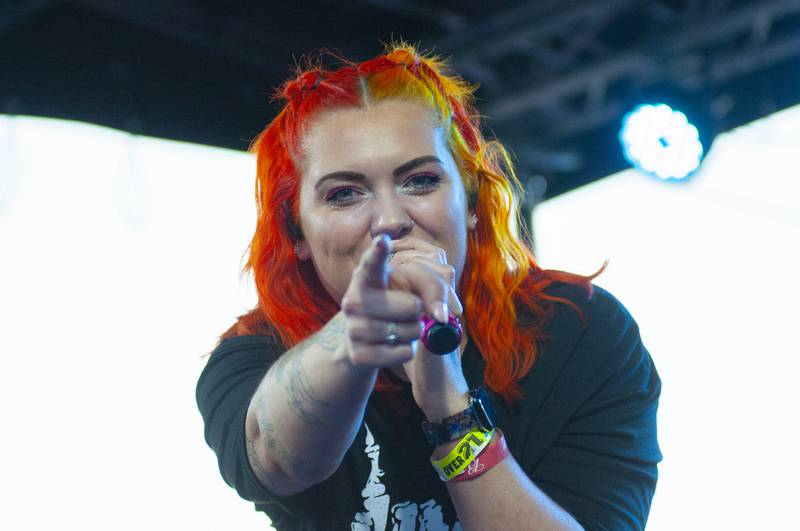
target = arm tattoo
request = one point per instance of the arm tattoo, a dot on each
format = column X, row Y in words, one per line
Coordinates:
column 291, row 463
column 288, row 370
column 330, row 337
column 303, row 401
column 252, row 456
column 302, row 398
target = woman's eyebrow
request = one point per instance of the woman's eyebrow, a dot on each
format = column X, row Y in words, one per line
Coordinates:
column 400, row 170
column 341, row 175
column 411, row 164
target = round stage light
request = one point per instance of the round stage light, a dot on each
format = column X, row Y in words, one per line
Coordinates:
column 661, row 142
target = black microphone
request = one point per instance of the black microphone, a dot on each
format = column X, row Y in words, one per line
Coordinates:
column 441, row 338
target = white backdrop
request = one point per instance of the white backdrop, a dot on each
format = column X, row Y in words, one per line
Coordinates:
column 119, row 265
column 709, row 269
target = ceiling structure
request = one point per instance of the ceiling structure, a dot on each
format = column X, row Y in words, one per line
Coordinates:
column 555, row 76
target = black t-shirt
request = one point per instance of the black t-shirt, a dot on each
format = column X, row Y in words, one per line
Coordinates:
column 585, row 432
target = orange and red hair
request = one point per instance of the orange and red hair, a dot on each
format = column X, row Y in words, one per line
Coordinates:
column 500, row 277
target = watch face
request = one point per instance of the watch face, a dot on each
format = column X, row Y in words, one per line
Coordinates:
column 483, row 408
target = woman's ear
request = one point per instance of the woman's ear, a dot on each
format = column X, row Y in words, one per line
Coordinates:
column 473, row 220
column 301, row 250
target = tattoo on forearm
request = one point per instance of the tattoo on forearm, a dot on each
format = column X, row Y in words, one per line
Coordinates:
column 256, row 464
column 280, row 364
column 303, row 400
column 291, row 463
column 330, row 337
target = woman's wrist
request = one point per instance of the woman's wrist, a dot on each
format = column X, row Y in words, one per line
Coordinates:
column 453, row 405
column 334, row 335
column 447, row 405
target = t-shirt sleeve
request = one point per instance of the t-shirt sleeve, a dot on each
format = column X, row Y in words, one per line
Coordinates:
column 224, row 390
column 602, row 465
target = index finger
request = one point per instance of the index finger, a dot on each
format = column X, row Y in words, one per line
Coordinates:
column 373, row 270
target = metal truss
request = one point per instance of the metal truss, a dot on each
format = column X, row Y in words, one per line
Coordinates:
column 695, row 53
column 568, row 58
column 555, row 37
column 221, row 33
column 13, row 13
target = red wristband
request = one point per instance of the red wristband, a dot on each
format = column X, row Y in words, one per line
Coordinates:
column 493, row 454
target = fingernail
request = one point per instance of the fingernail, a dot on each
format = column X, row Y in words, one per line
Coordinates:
column 436, row 311
column 443, row 313
column 382, row 240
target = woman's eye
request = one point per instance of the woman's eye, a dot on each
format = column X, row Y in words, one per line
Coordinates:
column 419, row 183
column 341, row 196
column 423, row 181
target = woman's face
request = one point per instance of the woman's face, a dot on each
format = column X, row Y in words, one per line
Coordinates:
column 380, row 169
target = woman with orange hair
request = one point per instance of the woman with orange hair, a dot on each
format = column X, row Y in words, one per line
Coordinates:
column 409, row 365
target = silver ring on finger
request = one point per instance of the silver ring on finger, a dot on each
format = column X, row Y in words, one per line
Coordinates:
column 391, row 337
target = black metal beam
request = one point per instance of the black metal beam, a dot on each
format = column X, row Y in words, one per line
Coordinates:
column 14, row 13
column 233, row 38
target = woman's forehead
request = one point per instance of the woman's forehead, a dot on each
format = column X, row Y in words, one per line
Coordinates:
column 355, row 136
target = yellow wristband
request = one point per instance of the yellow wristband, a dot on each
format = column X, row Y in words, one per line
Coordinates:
column 463, row 454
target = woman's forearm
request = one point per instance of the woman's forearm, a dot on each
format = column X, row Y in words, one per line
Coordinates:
column 505, row 498
column 307, row 410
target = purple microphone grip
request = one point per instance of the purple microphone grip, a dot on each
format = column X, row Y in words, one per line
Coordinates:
column 441, row 338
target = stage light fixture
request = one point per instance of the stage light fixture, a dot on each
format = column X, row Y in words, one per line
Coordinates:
column 661, row 142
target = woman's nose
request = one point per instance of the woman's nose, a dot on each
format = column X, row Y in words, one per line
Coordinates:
column 390, row 218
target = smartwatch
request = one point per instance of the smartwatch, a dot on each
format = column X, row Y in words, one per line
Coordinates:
column 478, row 415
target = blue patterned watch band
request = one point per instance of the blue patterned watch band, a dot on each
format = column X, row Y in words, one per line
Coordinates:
column 450, row 428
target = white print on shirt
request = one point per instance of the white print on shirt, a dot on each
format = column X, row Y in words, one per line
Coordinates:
column 406, row 516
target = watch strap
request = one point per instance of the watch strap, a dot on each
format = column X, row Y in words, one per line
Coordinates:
column 450, row 428
column 477, row 416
